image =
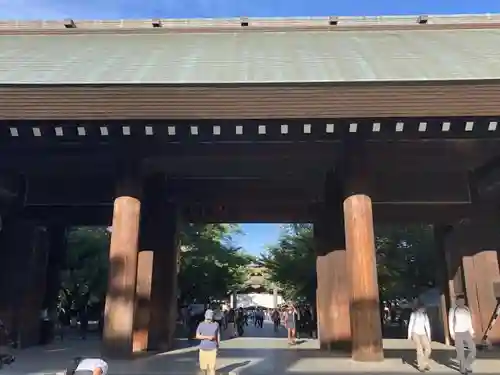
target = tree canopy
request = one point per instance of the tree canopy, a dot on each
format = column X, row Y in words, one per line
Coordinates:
column 405, row 261
column 210, row 265
column 291, row 262
column 84, row 277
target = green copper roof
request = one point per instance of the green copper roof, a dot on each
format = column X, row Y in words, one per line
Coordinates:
column 251, row 57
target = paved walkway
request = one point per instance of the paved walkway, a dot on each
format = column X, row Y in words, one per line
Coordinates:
column 258, row 352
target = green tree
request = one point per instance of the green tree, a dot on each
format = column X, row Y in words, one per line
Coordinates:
column 210, row 265
column 406, row 261
column 84, row 277
column 291, row 262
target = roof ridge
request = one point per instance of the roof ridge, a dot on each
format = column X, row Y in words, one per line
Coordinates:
column 255, row 23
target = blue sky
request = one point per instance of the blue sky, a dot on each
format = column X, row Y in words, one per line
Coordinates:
column 257, row 235
column 105, row 9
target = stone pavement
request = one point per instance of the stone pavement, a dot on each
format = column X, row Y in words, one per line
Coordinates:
column 258, row 352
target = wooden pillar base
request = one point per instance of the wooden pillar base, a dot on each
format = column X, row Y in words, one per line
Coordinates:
column 142, row 315
column 367, row 344
column 333, row 302
column 333, row 291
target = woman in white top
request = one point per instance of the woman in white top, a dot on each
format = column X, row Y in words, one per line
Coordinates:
column 419, row 330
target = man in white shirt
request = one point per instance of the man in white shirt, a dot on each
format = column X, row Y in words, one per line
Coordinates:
column 89, row 366
column 419, row 330
column 461, row 330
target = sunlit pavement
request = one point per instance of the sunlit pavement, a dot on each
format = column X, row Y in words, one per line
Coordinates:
column 258, row 352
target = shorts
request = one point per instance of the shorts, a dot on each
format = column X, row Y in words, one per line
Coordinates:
column 208, row 359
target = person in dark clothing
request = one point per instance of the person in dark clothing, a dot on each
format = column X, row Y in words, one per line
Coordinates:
column 259, row 318
column 193, row 321
column 231, row 322
column 276, row 320
column 240, row 321
column 306, row 318
column 84, row 323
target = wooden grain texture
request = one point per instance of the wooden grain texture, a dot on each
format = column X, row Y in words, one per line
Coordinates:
column 365, row 310
column 120, row 298
column 488, row 272
column 333, row 292
column 142, row 314
column 473, row 247
column 250, row 101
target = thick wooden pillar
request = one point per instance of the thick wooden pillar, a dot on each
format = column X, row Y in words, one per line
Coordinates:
column 333, row 290
column 164, row 288
column 365, row 311
column 477, row 242
column 120, row 298
column 24, row 257
column 158, row 273
column 366, row 325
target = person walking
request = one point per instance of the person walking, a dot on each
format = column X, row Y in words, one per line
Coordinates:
column 462, row 332
column 291, row 324
column 419, row 331
column 275, row 316
column 259, row 318
column 208, row 332
column 231, row 323
column 218, row 315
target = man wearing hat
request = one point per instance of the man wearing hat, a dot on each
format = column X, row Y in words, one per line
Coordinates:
column 209, row 334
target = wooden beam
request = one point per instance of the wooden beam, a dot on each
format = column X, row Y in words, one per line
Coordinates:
column 71, row 215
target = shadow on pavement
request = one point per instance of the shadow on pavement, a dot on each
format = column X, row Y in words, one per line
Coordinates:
column 248, row 355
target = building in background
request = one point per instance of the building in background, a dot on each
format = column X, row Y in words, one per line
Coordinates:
column 258, row 290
